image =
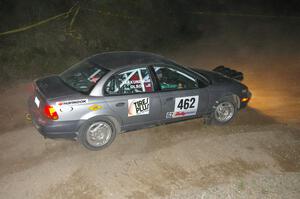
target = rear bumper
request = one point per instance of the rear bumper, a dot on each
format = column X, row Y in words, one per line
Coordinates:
column 53, row 129
column 67, row 130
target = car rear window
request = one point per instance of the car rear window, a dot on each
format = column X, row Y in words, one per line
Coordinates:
column 83, row 76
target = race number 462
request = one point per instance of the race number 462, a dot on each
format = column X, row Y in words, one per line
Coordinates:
column 187, row 104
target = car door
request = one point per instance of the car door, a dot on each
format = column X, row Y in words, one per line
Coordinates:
column 130, row 94
column 182, row 95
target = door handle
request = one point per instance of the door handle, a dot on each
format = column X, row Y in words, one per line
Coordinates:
column 169, row 99
column 120, row 104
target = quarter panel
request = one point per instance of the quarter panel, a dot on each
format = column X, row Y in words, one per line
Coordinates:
column 80, row 108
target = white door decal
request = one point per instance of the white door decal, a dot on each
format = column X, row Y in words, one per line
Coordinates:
column 184, row 106
column 140, row 106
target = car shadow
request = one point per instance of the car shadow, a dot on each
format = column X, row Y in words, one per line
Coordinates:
column 252, row 116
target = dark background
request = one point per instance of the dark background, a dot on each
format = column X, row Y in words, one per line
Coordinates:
column 157, row 26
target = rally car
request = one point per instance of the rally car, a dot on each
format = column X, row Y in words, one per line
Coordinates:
column 115, row 92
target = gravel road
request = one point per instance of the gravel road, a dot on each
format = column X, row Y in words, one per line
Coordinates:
column 256, row 156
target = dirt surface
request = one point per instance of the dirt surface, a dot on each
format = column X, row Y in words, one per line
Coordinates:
column 256, row 156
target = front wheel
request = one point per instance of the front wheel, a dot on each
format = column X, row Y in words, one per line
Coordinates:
column 223, row 113
column 97, row 134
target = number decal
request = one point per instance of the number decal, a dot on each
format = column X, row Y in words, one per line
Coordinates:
column 192, row 102
column 187, row 103
column 180, row 106
column 184, row 106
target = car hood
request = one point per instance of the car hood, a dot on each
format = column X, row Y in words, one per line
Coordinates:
column 213, row 77
column 52, row 87
column 219, row 79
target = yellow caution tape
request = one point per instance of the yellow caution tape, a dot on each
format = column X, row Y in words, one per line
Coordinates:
column 65, row 14
column 33, row 25
column 70, row 30
column 240, row 15
column 74, row 10
column 105, row 13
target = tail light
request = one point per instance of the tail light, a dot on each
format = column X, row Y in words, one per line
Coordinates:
column 50, row 112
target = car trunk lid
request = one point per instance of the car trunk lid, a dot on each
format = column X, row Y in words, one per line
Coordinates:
column 52, row 87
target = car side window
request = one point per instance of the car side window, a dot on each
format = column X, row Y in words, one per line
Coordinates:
column 171, row 79
column 129, row 82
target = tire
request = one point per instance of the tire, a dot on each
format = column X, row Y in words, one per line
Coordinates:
column 97, row 133
column 230, row 109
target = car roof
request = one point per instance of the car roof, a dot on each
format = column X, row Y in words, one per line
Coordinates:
column 120, row 59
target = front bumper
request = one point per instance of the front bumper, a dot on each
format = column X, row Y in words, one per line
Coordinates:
column 247, row 96
column 52, row 129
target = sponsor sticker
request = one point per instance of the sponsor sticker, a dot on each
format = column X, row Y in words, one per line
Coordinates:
column 95, row 107
column 66, row 108
column 72, row 102
column 179, row 114
column 184, row 106
column 140, row 106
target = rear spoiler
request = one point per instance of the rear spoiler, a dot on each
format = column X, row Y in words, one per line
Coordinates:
column 229, row 73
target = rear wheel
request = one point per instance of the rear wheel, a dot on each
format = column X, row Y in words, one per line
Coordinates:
column 223, row 113
column 97, row 134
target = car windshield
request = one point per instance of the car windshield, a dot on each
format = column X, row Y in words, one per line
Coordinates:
column 83, row 76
